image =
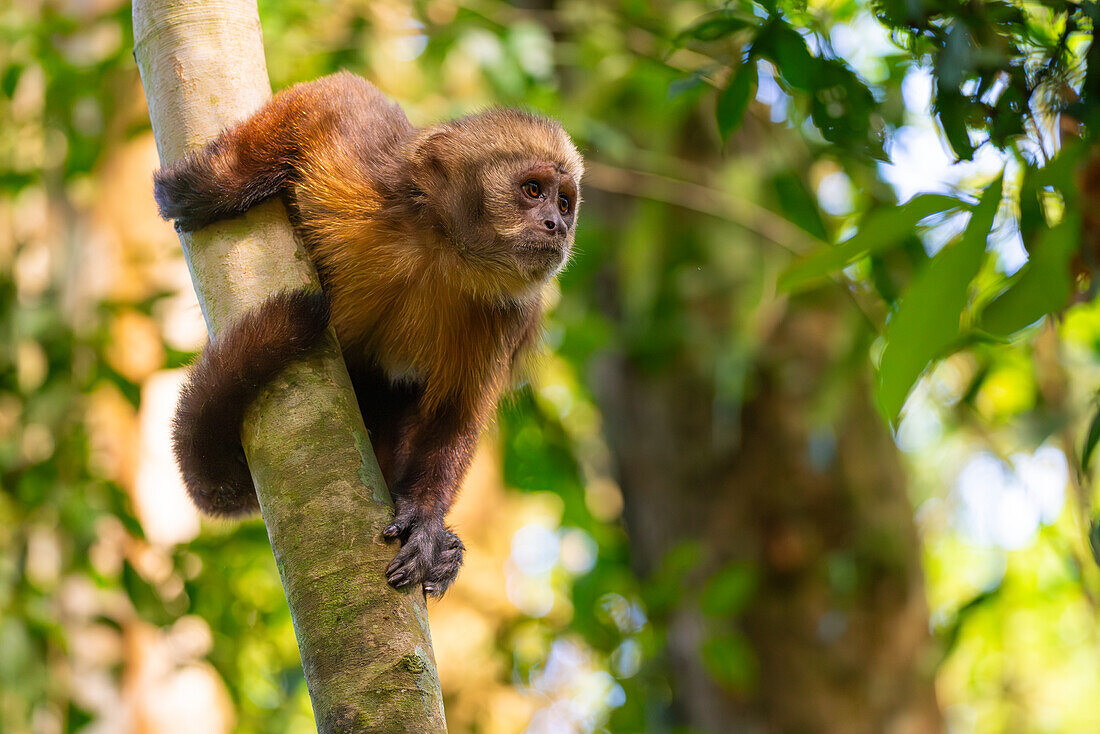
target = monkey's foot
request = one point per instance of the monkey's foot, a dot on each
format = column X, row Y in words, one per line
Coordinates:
column 430, row 556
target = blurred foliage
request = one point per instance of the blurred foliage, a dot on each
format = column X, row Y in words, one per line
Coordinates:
column 696, row 244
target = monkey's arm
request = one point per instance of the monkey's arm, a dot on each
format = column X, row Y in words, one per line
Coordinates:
column 317, row 128
column 435, row 456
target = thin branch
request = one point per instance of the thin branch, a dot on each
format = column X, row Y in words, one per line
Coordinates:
column 703, row 199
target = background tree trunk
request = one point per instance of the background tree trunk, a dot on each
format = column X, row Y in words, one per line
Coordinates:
column 837, row 624
column 365, row 648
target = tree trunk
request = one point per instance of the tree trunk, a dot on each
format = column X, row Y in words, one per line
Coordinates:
column 837, row 624
column 365, row 648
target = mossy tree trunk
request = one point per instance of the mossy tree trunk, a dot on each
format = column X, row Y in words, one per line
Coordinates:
column 365, row 648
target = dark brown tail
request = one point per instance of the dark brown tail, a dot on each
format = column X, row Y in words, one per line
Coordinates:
column 217, row 181
column 207, row 430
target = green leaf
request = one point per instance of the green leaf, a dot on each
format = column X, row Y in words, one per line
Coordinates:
column 728, row 591
column 880, row 230
column 788, row 50
column 1094, row 539
column 951, row 107
column 927, row 320
column 730, row 661
column 735, row 98
column 1043, row 285
column 1090, row 442
column 715, row 26
column 798, row 204
column 665, row 588
column 949, row 635
column 1031, row 216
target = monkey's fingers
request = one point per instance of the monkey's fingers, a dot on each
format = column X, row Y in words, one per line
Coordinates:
column 405, row 518
column 444, row 567
column 431, row 556
column 412, row 560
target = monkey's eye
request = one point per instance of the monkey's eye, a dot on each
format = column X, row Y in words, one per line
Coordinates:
column 532, row 188
column 563, row 203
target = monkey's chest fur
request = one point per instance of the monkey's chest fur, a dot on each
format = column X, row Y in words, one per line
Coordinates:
column 420, row 347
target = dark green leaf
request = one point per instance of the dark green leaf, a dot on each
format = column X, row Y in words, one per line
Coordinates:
column 951, row 108
column 798, row 204
column 735, row 98
column 1007, row 118
column 880, row 230
column 956, row 61
column 928, row 316
column 1031, row 217
column 792, row 57
column 841, row 107
column 1094, row 539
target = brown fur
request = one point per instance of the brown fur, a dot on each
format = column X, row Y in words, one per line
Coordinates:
column 207, row 425
column 432, row 256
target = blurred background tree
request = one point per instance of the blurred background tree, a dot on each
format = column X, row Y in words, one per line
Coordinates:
column 802, row 352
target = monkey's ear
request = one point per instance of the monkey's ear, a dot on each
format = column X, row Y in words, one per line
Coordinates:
column 433, row 153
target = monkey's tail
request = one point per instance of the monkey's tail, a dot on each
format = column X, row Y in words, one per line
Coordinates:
column 206, row 434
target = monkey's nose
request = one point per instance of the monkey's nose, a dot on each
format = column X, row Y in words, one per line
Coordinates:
column 554, row 224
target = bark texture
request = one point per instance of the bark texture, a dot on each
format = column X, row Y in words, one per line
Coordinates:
column 837, row 624
column 365, row 648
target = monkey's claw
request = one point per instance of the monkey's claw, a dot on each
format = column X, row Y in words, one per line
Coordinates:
column 402, row 524
column 431, row 556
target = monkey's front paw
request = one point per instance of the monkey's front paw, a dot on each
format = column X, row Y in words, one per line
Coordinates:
column 430, row 556
column 444, row 568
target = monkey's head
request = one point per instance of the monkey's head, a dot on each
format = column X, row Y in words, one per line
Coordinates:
column 504, row 186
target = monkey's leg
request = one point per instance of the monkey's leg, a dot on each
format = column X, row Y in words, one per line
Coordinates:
column 206, row 435
column 439, row 452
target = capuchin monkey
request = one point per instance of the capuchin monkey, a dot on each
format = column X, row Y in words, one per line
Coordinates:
column 435, row 247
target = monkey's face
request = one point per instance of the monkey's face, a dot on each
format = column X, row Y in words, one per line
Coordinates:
column 531, row 209
column 505, row 187
column 543, row 218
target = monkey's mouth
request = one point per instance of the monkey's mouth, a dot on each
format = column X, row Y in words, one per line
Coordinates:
column 541, row 250
column 541, row 258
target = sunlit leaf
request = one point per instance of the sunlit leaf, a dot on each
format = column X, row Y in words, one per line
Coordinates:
column 928, row 316
column 949, row 636
column 1090, row 442
column 880, row 230
column 715, row 26
column 1043, row 285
